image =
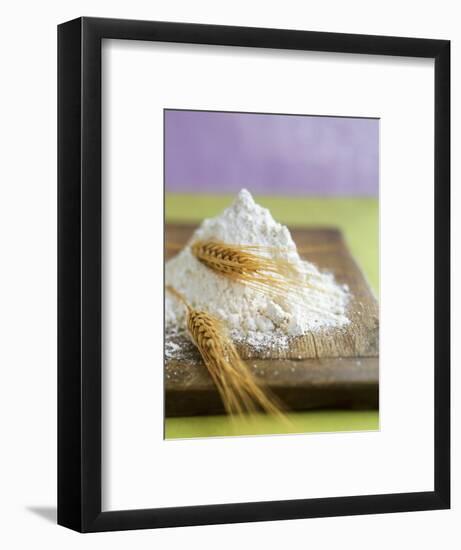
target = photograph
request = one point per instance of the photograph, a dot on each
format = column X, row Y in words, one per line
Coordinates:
column 227, row 275
column 271, row 273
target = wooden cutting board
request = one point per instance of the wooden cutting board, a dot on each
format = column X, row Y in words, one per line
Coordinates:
column 334, row 368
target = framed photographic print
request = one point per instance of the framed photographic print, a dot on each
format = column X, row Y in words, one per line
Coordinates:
column 253, row 274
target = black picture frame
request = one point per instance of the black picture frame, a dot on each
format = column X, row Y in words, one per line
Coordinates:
column 79, row 274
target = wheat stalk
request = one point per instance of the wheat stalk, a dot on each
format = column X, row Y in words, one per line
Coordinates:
column 242, row 263
column 314, row 248
column 238, row 390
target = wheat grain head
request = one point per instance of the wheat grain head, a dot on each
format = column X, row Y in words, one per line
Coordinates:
column 242, row 263
column 237, row 387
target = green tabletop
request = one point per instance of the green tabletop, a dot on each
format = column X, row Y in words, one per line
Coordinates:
column 358, row 219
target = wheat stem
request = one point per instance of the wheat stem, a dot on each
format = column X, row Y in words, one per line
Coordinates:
column 238, row 390
column 327, row 249
column 240, row 264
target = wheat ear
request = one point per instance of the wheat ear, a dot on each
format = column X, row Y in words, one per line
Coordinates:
column 240, row 263
column 315, row 248
column 238, row 390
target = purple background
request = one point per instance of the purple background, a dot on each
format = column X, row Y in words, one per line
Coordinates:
column 218, row 152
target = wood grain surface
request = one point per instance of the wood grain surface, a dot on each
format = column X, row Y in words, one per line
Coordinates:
column 331, row 368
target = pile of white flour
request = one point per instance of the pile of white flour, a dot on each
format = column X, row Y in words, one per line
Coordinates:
column 254, row 317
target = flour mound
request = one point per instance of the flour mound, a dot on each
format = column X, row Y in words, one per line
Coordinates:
column 252, row 316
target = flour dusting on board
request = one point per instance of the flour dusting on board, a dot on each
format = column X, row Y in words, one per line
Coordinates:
column 260, row 320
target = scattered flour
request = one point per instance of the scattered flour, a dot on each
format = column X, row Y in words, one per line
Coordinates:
column 172, row 349
column 258, row 319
